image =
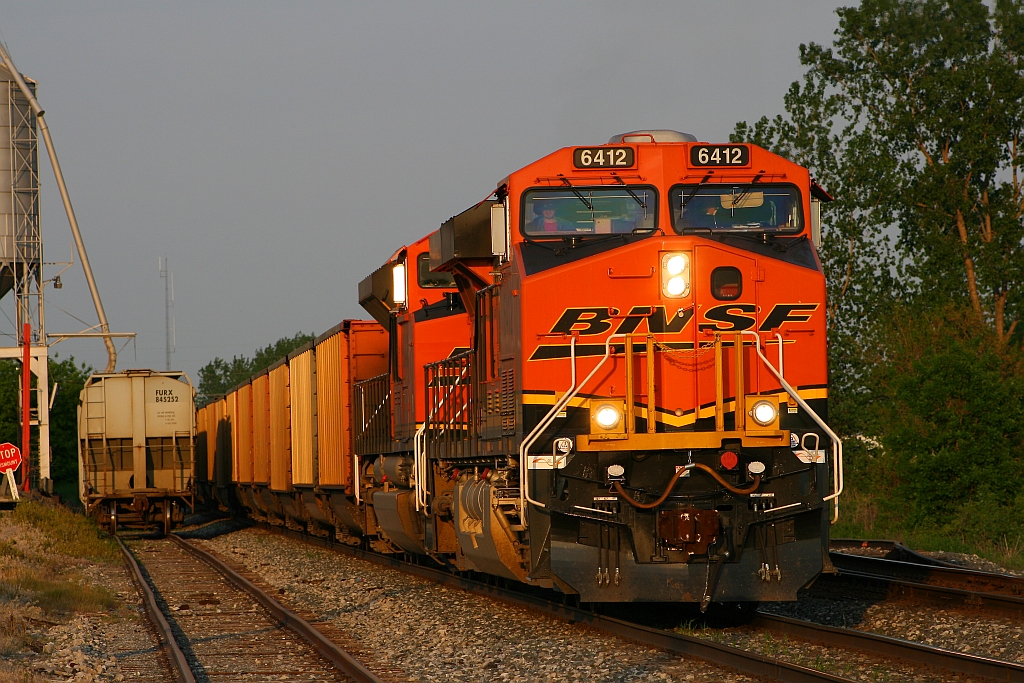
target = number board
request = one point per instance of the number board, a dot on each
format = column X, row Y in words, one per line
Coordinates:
column 603, row 157
column 719, row 155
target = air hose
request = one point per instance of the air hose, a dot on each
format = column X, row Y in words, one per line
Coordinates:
column 672, row 482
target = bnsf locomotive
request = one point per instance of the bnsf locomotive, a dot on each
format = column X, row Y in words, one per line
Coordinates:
column 609, row 379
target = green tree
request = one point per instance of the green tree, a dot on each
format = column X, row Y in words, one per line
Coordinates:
column 218, row 376
column 913, row 120
column 69, row 379
column 916, row 114
column 10, row 385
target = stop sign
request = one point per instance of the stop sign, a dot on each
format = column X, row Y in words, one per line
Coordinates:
column 10, row 457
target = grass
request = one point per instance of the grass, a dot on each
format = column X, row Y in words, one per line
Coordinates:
column 9, row 549
column 67, row 533
column 43, row 549
column 53, row 595
column 9, row 673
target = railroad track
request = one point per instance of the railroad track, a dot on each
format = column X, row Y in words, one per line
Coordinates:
column 938, row 658
column 742, row 661
column 215, row 624
column 894, row 550
column 935, row 583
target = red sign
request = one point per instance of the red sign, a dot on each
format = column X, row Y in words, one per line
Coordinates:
column 10, row 457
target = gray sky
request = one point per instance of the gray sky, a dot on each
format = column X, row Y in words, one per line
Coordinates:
column 277, row 153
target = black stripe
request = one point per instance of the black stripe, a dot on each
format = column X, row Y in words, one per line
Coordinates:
column 552, row 351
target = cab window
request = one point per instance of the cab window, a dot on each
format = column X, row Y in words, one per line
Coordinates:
column 428, row 279
column 581, row 211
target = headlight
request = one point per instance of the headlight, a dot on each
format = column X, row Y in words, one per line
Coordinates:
column 675, row 275
column 607, row 416
column 398, row 284
column 675, row 265
column 764, row 413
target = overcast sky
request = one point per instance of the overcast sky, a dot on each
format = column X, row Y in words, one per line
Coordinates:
column 277, row 153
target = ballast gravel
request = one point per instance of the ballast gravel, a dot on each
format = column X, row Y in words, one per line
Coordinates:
column 429, row 632
column 851, row 664
column 100, row 648
column 975, row 633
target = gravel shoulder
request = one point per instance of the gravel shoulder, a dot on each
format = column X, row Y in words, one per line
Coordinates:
column 68, row 607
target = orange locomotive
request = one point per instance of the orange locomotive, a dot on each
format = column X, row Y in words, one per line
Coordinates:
column 610, row 380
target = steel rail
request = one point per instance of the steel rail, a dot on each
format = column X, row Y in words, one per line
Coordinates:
column 903, row 650
column 940, row 585
column 742, row 661
column 341, row 659
column 941, row 595
column 894, row 551
column 179, row 663
column 933, row 575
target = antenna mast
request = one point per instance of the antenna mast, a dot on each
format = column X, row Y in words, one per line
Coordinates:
column 168, row 277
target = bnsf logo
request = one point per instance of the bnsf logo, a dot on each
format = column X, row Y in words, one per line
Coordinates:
column 724, row 318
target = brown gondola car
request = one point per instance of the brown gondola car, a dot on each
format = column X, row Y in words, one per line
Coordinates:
column 136, row 438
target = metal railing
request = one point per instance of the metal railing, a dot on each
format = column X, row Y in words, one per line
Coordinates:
column 630, row 417
column 450, row 428
column 373, row 416
column 837, row 445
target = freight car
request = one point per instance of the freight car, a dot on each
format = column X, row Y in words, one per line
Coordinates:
column 136, row 437
column 608, row 379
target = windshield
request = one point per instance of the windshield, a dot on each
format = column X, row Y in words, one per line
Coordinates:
column 574, row 211
column 740, row 207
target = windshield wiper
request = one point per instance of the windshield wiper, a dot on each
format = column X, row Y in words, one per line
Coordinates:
column 746, row 190
column 590, row 207
column 692, row 194
column 643, row 205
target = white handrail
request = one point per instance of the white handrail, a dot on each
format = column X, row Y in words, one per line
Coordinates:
column 837, row 445
column 524, row 472
column 782, row 370
column 419, row 446
column 357, row 476
column 416, row 463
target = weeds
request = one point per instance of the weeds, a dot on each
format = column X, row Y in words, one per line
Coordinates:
column 1010, row 550
column 14, row 634
column 54, row 595
column 690, row 628
column 67, row 533
column 10, row 674
column 8, row 549
column 769, row 646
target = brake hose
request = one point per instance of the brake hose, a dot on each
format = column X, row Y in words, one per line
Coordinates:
column 672, row 482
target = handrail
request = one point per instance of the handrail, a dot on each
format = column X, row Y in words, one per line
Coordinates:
column 782, row 370
column 524, row 470
column 574, row 388
column 837, row 445
column 419, row 440
column 357, row 477
column 416, row 464
column 372, row 432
